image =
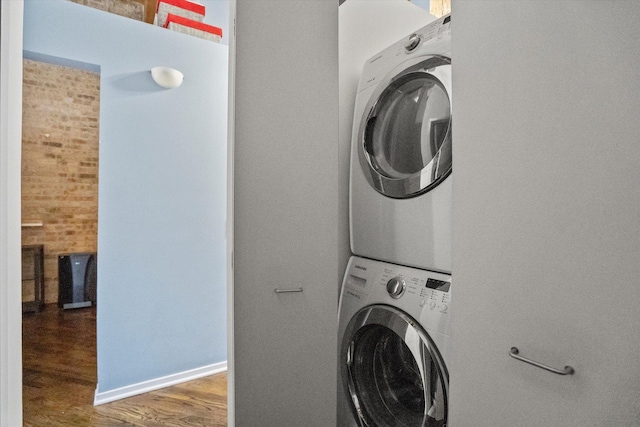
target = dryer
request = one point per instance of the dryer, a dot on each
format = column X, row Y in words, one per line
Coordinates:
column 400, row 201
column 393, row 344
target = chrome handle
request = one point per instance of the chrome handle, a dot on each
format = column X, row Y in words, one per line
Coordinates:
column 287, row 291
column 568, row 370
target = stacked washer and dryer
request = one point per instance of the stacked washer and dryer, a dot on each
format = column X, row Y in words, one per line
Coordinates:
column 395, row 302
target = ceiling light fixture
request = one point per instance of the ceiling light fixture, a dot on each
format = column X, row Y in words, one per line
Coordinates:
column 166, row 77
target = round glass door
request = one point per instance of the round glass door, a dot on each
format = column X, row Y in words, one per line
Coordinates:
column 393, row 372
column 405, row 135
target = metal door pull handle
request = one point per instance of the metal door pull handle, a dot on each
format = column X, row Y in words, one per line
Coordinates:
column 286, row 291
column 568, row 370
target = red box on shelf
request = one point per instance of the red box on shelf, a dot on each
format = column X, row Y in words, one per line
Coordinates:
column 194, row 28
column 184, row 8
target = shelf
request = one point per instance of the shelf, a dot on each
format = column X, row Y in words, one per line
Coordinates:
column 37, row 254
column 32, row 224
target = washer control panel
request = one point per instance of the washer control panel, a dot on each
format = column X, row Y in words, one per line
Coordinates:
column 435, row 294
column 426, row 295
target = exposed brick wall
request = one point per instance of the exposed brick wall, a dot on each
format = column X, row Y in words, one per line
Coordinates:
column 128, row 8
column 61, row 108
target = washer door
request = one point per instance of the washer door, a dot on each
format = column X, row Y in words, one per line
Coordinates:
column 404, row 141
column 392, row 371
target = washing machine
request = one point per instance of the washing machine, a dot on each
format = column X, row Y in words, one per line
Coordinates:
column 393, row 344
column 400, row 179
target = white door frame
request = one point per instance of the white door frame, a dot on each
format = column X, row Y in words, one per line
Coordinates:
column 10, row 230
column 231, row 409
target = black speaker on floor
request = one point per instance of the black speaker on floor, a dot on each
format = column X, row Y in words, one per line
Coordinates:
column 77, row 278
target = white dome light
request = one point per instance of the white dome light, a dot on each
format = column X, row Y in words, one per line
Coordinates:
column 166, row 77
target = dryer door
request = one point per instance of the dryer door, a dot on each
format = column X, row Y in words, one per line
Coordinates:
column 392, row 371
column 404, row 140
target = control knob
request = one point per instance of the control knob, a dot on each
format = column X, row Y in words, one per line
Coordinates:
column 414, row 41
column 396, row 287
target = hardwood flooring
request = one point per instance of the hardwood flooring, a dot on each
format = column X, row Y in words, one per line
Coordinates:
column 59, row 380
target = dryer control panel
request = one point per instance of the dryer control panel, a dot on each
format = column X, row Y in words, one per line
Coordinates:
column 433, row 38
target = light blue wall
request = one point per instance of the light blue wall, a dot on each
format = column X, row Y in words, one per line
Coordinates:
column 422, row 3
column 217, row 14
column 162, row 189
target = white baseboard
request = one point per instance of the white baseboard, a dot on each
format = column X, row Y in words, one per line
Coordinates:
column 157, row 383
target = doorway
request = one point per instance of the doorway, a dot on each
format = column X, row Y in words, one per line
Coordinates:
column 60, row 138
column 162, row 196
column 138, row 129
column 60, row 156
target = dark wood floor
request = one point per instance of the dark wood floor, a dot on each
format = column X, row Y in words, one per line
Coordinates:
column 59, row 381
